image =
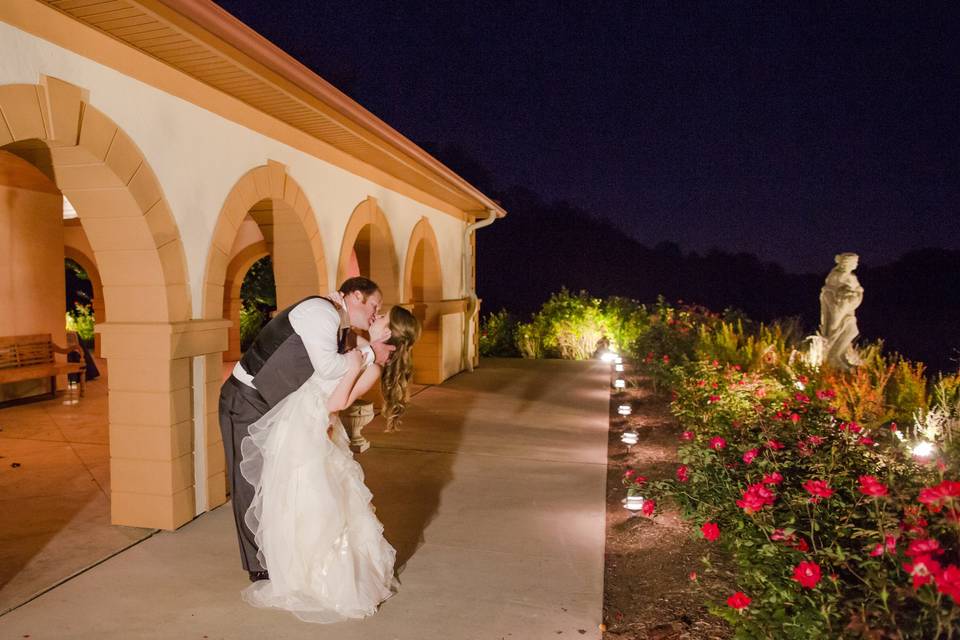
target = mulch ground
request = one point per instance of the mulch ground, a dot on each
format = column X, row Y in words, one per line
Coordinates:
column 648, row 590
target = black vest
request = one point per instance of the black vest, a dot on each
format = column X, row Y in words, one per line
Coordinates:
column 277, row 359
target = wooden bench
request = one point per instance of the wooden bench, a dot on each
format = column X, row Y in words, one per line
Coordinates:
column 31, row 358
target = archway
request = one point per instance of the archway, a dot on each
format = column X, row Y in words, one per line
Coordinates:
column 368, row 250
column 423, row 291
column 138, row 252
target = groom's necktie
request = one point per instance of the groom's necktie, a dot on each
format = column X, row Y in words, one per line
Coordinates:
column 342, row 340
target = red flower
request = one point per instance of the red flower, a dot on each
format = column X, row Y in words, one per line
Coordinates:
column 923, row 547
column 888, row 545
column 701, row 383
column 687, row 435
column 738, row 601
column 870, row 486
column 801, row 545
column 801, row 398
column 866, row 441
column 826, row 394
column 717, row 443
column 666, row 359
column 749, row 456
column 710, row 531
column 693, row 576
column 815, row 441
column 923, row 568
column 948, row 582
column 755, row 498
column 795, row 418
column 774, row 445
column 648, row 507
column 713, row 399
column 818, row 489
column 639, row 479
column 628, row 473
column 772, row 478
column 936, row 497
column 807, row 574
column 682, row 473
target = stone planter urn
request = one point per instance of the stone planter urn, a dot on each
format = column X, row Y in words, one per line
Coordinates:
column 355, row 418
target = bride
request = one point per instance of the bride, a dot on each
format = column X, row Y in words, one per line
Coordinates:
column 319, row 539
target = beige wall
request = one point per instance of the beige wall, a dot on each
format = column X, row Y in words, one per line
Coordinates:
column 31, row 259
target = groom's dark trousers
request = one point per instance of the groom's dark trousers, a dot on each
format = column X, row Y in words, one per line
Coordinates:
column 240, row 406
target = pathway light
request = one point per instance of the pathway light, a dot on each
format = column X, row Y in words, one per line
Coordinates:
column 619, row 383
column 633, row 503
column 618, row 367
column 624, row 410
column 608, row 356
column 924, row 449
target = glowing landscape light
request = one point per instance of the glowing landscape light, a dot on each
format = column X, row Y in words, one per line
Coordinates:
column 924, row 449
column 619, row 383
column 629, row 438
column 624, row 410
column 618, row 367
column 633, row 503
column 608, row 356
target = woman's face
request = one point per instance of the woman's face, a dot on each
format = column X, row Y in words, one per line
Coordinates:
column 380, row 328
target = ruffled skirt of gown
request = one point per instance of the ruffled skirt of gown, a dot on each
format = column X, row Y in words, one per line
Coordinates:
column 311, row 515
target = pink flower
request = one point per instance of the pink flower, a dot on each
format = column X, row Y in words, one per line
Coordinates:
column 948, row 582
column 818, row 489
column 807, row 574
column 738, row 601
column 687, row 435
column 755, row 497
column 683, row 473
column 826, row 394
column 936, row 497
column 923, row 569
column 815, row 441
column 774, row 445
column 772, row 478
column 795, row 418
column 713, row 399
column 888, row 545
column 629, row 473
column 866, row 441
column 717, row 443
column 648, row 507
column 924, row 546
column 750, row 455
column 870, row 486
column 710, row 531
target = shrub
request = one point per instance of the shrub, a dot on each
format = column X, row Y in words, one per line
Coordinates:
column 252, row 320
column 81, row 320
column 498, row 335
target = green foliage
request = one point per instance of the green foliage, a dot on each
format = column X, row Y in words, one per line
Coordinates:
column 498, row 335
column 252, row 320
column 80, row 320
column 258, row 286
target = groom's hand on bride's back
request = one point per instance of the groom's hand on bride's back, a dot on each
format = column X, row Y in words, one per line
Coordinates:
column 381, row 352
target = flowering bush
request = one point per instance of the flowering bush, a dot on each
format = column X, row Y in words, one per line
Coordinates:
column 837, row 529
column 498, row 335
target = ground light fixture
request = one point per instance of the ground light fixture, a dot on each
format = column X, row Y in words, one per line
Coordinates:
column 609, row 356
column 624, row 410
column 619, row 383
column 618, row 367
column 633, row 504
column 629, row 438
column 618, row 360
column 923, row 449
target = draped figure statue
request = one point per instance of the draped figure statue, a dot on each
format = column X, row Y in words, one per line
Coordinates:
column 839, row 298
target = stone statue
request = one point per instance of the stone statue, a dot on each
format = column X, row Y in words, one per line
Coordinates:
column 839, row 298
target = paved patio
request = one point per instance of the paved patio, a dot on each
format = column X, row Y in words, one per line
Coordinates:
column 493, row 494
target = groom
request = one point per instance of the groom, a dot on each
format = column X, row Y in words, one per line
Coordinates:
column 309, row 336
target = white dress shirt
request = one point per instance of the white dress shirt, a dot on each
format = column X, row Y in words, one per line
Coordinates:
column 318, row 323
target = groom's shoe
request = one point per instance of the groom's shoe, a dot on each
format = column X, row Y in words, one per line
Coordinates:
column 257, row 576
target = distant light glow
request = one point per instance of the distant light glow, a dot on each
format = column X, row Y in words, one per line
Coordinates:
column 618, row 367
column 608, row 356
column 629, row 438
column 924, row 449
column 620, row 383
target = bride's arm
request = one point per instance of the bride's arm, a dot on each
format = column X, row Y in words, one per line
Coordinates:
column 339, row 399
column 367, row 379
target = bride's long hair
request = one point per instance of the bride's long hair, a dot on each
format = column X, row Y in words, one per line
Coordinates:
column 395, row 378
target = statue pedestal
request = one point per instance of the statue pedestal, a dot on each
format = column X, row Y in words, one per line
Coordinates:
column 355, row 418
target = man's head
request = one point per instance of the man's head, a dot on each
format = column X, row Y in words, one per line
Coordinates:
column 362, row 298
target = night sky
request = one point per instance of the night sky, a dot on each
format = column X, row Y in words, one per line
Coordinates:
column 788, row 131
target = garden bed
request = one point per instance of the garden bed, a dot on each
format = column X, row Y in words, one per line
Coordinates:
column 648, row 590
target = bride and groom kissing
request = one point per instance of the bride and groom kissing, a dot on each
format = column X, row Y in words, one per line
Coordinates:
column 307, row 531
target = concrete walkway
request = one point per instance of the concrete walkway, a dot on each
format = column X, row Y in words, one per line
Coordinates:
column 493, row 494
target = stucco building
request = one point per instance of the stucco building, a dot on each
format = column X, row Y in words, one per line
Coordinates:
column 190, row 147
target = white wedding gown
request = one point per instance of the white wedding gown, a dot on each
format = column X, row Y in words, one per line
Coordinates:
column 311, row 514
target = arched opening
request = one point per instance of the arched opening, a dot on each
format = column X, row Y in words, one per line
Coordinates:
column 423, row 291
column 368, row 250
column 265, row 214
column 123, row 454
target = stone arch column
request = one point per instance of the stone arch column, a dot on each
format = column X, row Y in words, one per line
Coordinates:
column 149, row 340
column 368, row 248
column 423, row 293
